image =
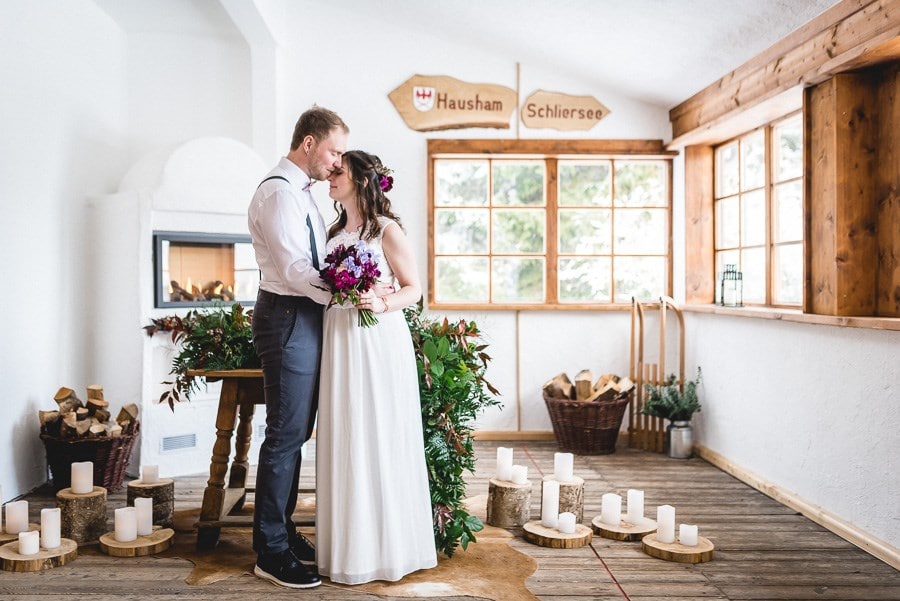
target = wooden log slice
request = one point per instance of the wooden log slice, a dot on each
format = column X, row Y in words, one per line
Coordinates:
column 163, row 495
column 625, row 530
column 83, row 517
column 6, row 537
column 44, row 559
column 535, row 532
column 571, row 497
column 157, row 542
column 508, row 504
column 700, row 553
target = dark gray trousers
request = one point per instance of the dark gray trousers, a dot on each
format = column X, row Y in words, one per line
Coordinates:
column 287, row 335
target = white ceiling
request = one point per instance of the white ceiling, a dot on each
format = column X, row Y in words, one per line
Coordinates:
column 658, row 51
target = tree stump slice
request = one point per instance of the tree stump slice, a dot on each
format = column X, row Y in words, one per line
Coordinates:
column 535, row 532
column 83, row 517
column 700, row 553
column 6, row 537
column 44, row 559
column 159, row 541
column 571, row 497
column 508, row 504
column 625, row 530
column 163, row 495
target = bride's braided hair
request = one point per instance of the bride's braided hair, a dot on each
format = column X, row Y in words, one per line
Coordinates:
column 372, row 179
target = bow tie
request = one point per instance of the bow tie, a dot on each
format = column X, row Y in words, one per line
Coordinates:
column 309, row 184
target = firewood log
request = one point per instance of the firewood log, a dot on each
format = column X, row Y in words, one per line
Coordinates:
column 82, row 413
column 102, row 415
column 114, row 431
column 67, row 400
column 95, row 405
column 559, row 387
column 95, row 391
column 97, row 430
column 48, row 417
column 583, row 380
column 127, row 413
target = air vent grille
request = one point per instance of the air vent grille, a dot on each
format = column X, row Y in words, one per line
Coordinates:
column 178, row 443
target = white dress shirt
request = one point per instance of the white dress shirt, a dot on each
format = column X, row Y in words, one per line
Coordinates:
column 277, row 223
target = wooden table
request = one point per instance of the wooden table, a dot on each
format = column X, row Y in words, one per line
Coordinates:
column 242, row 390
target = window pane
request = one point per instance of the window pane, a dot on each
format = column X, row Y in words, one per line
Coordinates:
column 518, row 183
column 753, row 218
column 585, row 231
column 753, row 264
column 519, row 231
column 789, row 212
column 640, row 277
column 640, row 184
column 461, row 279
column 753, row 161
column 787, row 280
column 517, row 280
column 585, row 183
column 728, row 223
column 787, row 152
column 641, row 231
column 461, row 231
column 585, row 279
column 727, row 170
column 461, row 183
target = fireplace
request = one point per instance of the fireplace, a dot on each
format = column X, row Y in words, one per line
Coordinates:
column 200, row 269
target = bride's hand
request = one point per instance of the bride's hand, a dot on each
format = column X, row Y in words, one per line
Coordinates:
column 371, row 301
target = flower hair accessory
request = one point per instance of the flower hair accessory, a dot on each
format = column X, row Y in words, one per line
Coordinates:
column 385, row 180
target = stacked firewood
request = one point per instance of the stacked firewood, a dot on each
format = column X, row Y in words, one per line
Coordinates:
column 606, row 388
column 73, row 419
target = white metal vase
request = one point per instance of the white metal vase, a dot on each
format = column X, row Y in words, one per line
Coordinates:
column 681, row 439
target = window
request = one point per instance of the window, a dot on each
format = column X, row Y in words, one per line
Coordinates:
column 759, row 211
column 517, row 230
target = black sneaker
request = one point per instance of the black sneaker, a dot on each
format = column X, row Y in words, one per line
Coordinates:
column 284, row 570
column 302, row 548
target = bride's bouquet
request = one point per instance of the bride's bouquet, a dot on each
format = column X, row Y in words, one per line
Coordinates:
column 348, row 271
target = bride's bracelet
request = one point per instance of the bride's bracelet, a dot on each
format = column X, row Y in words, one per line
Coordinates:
column 387, row 307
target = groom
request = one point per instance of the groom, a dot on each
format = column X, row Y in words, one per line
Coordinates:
column 289, row 239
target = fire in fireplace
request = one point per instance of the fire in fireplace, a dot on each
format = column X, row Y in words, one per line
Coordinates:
column 198, row 269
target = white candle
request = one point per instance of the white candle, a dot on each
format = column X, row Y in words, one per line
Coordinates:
column 687, row 535
column 566, row 523
column 665, row 524
column 635, row 506
column 29, row 542
column 520, row 474
column 144, row 509
column 17, row 517
column 82, row 477
column 611, row 509
column 550, row 504
column 126, row 524
column 50, row 527
column 504, row 463
column 1, row 509
column 562, row 466
column 149, row 474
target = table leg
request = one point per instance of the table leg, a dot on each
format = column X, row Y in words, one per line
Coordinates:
column 214, row 495
column 240, row 466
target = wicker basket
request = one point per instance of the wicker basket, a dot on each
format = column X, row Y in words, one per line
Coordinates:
column 587, row 427
column 109, row 455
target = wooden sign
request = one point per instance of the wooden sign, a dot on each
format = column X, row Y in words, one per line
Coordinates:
column 429, row 103
column 551, row 110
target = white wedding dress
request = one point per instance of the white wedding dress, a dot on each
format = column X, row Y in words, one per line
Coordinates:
column 373, row 507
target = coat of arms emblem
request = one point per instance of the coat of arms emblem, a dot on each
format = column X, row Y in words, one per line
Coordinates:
column 423, row 98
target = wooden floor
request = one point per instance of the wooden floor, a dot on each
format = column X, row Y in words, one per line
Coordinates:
column 764, row 550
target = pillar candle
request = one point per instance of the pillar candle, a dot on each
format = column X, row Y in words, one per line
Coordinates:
column 566, row 523
column 562, row 467
column 144, row 509
column 665, row 524
column 611, row 509
column 687, row 535
column 504, row 463
column 635, row 506
column 1, row 509
column 50, row 527
column 17, row 517
column 149, row 474
column 520, row 474
column 82, row 477
column 550, row 504
column 126, row 524
column 29, row 542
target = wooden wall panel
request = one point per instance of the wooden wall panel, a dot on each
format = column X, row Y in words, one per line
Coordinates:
column 888, row 194
column 699, row 242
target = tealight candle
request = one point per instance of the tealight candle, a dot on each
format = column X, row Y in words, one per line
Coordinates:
column 635, row 506
column 550, row 504
column 665, row 524
column 520, row 474
column 50, row 527
column 126, row 524
column 16, row 517
column 611, row 509
column 562, row 466
column 29, row 542
column 504, row 463
column 149, row 474
column 82, row 477
column 566, row 523
column 687, row 535
column 144, row 509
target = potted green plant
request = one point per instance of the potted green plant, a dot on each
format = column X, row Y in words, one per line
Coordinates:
column 676, row 403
